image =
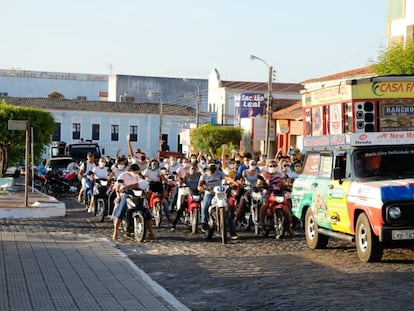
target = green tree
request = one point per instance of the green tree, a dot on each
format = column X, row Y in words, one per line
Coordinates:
column 396, row 60
column 12, row 143
column 209, row 137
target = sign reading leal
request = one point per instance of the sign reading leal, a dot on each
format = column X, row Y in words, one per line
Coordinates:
column 252, row 105
column 382, row 138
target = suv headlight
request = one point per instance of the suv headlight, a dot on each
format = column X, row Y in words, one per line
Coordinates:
column 394, row 212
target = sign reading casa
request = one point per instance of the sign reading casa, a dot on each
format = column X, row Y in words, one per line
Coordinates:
column 382, row 88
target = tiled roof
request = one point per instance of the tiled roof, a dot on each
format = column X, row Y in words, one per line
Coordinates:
column 359, row 72
column 262, row 87
column 293, row 112
column 100, row 106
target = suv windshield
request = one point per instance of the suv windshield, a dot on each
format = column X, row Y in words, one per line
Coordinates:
column 396, row 163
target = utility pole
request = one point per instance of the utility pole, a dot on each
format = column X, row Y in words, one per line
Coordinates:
column 269, row 104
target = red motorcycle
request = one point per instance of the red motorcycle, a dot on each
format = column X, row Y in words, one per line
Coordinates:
column 277, row 216
column 192, row 210
column 155, row 202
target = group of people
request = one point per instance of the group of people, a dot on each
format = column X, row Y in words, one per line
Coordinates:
column 200, row 172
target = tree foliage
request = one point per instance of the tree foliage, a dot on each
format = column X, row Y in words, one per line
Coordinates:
column 12, row 143
column 209, row 137
column 397, row 60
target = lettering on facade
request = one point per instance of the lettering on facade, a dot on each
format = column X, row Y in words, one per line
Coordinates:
column 380, row 88
column 51, row 75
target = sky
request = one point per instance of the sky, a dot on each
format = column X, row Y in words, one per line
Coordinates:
column 301, row 39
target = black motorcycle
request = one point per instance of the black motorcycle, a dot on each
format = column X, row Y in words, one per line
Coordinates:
column 56, row 184
column 100, row 193
column 135, row 221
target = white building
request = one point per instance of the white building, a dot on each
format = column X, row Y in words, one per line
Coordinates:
column 108, row 123
column 27, row 83
column 400, row 21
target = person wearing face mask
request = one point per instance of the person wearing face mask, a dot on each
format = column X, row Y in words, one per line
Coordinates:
column 274, row 179
column 153, row 174
column 202, row 165
column 213, row 177
column 193, row 159
column 183, row 170
column 245, row 164
column 261, row 164
column 101, row 172
column 251, row 176
column 128, row 180
column 190, row 180
column 172, row 165
column 117, row 169
column 137, row 156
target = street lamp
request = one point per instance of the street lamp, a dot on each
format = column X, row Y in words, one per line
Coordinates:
column 197, row 101
column 269, row 103
column 151, row 95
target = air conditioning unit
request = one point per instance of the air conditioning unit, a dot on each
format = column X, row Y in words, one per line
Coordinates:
column 365, row 117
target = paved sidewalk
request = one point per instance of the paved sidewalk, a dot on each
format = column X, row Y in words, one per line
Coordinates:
column 64, row 271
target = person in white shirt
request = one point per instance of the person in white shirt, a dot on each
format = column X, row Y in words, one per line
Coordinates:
column 130, row 179
column 101, row 172
column 85, row 168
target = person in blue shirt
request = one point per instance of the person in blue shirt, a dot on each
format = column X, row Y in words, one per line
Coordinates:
column 42, row 167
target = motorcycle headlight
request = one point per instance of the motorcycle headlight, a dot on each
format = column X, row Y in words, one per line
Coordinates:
column 280, row 199
column 394, row 212
column 137, row 193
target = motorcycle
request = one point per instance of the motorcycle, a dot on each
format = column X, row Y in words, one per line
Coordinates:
column 135, row 221
column 155, row 202
column 39, row 181
column 218, row 214
column 276, row 218
column 256, row 202
column 58, row 185
column 88, row 189
column 192, row 203
column 100, row 193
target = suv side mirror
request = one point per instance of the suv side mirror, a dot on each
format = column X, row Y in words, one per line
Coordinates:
column 338, row 173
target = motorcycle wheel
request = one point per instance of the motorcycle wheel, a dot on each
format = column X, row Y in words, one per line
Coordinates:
column 265, row 230
column 101, row 206
column 140, row 227
column 279, row 222
column 47, row 189
column 87, row 199
column 255, row 219
column 194, row 216
column 157, row 214
column 223, row 225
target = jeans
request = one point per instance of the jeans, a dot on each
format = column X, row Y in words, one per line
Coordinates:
column 205, row 205
column 120, row 212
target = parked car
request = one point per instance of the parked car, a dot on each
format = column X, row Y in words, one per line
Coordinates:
column 58, row 163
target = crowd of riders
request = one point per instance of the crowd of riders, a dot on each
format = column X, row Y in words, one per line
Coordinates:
column 200, row 172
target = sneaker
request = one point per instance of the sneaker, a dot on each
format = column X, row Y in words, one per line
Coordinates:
column 234, row 236
column 89, row 210
column 172, row 229
column 204, row 227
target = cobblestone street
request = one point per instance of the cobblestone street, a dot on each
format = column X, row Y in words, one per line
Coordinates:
column 253, row 273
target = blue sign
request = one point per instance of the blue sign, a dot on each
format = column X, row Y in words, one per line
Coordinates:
column 252, row 105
